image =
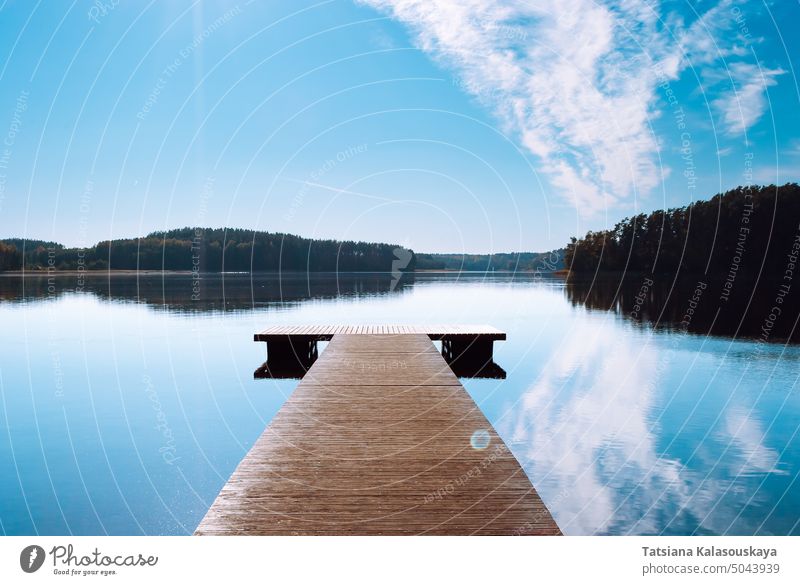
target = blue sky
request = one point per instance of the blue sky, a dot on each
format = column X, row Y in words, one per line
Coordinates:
column 469, row 126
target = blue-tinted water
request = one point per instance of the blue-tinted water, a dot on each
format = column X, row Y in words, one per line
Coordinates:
column 126, row 406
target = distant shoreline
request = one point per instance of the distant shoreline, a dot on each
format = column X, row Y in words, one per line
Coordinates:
column 128, row 272
column 661, row 277
column 94, row 272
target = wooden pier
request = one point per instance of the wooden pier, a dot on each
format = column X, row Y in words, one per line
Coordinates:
column 379, row 437
column 292, row 349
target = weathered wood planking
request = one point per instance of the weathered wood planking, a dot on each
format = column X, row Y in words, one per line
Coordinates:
column 376, row 439
column 326, row 332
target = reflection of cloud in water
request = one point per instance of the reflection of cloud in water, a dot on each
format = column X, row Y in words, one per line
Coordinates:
column 587, row 432
column 746, row 435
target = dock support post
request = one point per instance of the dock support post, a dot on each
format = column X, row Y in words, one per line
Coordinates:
column 290, row 349
column 473, row 349
column 288, row 356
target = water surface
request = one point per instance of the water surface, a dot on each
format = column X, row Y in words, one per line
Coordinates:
column 127, row 402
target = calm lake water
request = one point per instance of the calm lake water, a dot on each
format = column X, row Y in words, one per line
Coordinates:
column 126, row 404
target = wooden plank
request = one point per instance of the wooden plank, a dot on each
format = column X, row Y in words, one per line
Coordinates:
column 373, row 343
column 367, row 446
column 456, row 329
column 435, row 332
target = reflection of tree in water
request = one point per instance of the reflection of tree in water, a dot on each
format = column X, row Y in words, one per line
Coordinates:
column 743, row 244
column 213, row 292
column 762, row 309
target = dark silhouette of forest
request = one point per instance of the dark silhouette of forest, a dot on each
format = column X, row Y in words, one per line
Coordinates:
column 238, row 250
column 10, row 257
column 208, row 250
column 727, row 266
column 748, row 230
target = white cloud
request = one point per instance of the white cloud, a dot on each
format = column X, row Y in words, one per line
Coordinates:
column 746, row 434
column 576, row 80
column 777, row 175
column 589, row 432
column 744, row 106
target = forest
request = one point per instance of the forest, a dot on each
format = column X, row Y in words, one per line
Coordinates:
column 10, row 257
column 511, row 262
column 208, row 250
column 748, row 231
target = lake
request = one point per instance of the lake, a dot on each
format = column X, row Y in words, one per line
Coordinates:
column 127, row 401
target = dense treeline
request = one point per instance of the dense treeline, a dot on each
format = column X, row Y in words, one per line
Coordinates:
column 238, row 250
column 731, row 233
column 211, row 250
column 524, row 261
column 10, row 257
column 13, row 250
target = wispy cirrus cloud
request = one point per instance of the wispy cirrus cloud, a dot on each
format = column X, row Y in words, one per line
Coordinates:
column 741, row 108
column 577, row 80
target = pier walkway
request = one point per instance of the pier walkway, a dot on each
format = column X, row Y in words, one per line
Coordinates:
column 379, row 437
